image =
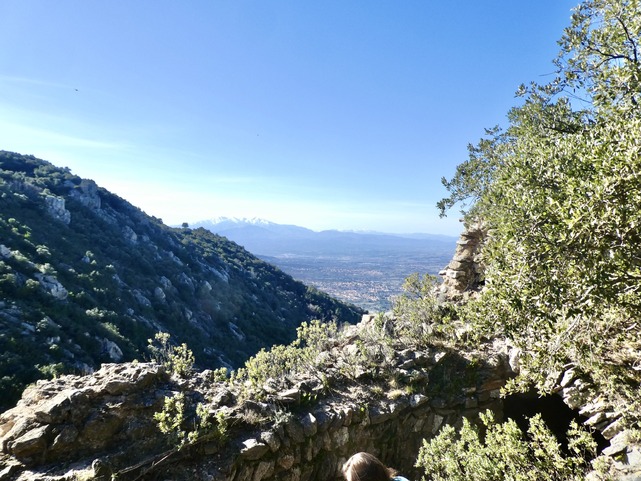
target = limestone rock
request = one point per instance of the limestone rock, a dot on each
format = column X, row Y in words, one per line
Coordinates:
column 613, row 429
column 52, row 285
column 185, row 280
column 463, row 276
column 575, row 395
column 112, row 350
column 253, row 449
column 140, row 298
column 65, row 418
column 159, row 294
column 87, row 194
column 129, row 235
column 271, row 440
column 290, row 396
column 236, row 331
column 5, row 252
column 56, row 209
column 515, row 359
column 295, row 431
column 174, row 258
column 568, row 377
column 310, row 425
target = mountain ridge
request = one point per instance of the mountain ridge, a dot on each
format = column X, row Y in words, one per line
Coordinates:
column 225, row 222
column 253, row 233
column 87, row 278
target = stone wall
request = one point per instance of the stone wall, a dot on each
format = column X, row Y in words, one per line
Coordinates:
column 624, row 447
column 463, row 276
column 313, row 447
column 101, row 425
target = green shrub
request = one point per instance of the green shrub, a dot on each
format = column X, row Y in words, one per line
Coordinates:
column 503, row 452
column 302, row 355
column 421, row 320
column 183, row 427
column 558, row 190
column 177, row 359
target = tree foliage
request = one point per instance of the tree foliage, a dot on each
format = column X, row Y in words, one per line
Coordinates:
column 560, row 190
column 421, row 319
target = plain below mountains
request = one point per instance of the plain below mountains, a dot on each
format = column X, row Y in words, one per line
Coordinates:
column 87, row 278
column 364, row 268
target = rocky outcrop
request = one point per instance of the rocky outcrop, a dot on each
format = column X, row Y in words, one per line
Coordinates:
column 5, row 252
column 52, row 285
column 112, row 350
column 463, row 276
column 56, row 208
column 72, row 417
column 129, row 235
column 302, row 428
column 87, row 194
column 624, row 449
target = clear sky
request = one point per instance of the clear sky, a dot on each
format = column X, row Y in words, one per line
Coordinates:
column 332, row 114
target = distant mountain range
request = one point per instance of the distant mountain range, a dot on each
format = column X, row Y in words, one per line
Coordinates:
column 267, row 238
column 364, row 268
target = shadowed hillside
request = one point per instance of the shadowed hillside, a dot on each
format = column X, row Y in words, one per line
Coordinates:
column 86, row 278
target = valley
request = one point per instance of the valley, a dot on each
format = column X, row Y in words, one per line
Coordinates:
column 366, row 269
column 368, row 281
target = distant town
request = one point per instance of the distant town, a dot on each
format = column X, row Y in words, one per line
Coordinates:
column 370, row 282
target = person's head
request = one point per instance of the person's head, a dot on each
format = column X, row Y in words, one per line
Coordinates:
column 365, row 467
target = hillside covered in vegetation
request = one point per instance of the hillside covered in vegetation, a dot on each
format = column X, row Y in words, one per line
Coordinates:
column 87, row 278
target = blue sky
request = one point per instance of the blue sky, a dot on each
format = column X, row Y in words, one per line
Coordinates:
column 336, row 114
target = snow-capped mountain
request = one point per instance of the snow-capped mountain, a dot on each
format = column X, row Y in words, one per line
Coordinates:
column 267, row 238
column 254, row 233
column 233, row 221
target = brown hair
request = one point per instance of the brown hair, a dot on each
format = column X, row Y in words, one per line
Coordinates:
column 365, row 467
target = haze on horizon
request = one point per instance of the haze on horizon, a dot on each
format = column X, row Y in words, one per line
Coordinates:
column 328, row 115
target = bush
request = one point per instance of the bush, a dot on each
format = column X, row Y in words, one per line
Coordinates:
column 177, row 359
column 302, row 355
column 421, row 320
column 183, row 426
column 503, row 452
column 559, row 190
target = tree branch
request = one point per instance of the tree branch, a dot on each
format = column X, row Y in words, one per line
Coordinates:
column 630, row 39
